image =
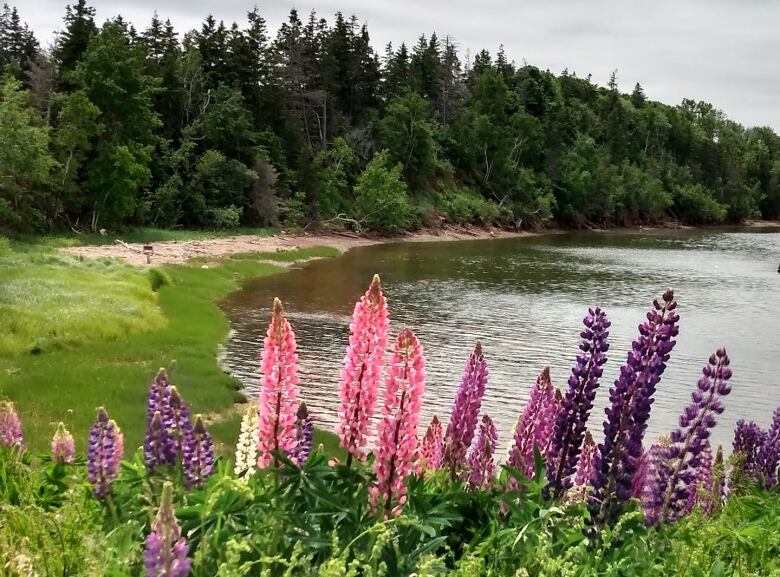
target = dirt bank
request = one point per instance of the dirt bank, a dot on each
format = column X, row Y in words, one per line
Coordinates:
column 179, row 252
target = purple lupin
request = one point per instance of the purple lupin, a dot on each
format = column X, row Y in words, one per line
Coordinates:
column 630, row 400
column 465, row 411
column 572, row 417
column 103, row 454
column 676, row 474
column 165, row 554
column 198, row 457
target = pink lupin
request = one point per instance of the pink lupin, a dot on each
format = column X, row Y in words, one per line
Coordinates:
column 535, row 426
column 432, row 448
column 279, row 389
column 396, row 450
column 10, row 426
column 63, row 447
column 362, row 370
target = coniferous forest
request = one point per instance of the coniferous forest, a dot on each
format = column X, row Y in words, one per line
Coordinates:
column 230, row 126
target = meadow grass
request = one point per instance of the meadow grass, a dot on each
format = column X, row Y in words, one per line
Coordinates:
column 113, row 333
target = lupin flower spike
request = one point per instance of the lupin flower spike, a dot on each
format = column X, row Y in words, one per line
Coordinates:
column 575, row 408
column 631, row 398
column 584, row 471
column 10, row 426
column 770, row 452
column 158, row 395
column 304, row 427
column 718, row 487
column 431, row 451
column 166, row 549
column 480, row 460
column 176, row 421
column 396, row 449
column 700, row 491
column 157, row 444
column 246, row 447
column 534, row 427
column 750, row 445
column 676, row 474
column 279, row 392
column 63, row 447
column 103, row 454
column 198, row 455
column 465, row 411
column 362, row 370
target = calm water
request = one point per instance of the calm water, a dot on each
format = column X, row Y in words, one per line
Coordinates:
column 525, row 299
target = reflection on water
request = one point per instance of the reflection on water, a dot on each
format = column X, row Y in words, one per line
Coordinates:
column 525, row 299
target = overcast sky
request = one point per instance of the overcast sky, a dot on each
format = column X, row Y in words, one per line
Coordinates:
column 723, row 51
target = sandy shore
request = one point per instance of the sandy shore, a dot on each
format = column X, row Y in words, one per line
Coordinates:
column 179, row 252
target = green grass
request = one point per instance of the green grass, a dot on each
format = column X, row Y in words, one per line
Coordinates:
column 71, row 376
column 50, row 301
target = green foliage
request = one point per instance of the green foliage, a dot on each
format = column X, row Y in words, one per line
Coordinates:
column 25, row 161
column 381, row 196
column 134, row 121
column 315, row 521
column 464, row 206
column 409, row 137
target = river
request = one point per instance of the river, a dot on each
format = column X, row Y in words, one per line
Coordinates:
column 524, row 298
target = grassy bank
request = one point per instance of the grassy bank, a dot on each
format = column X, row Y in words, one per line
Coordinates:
column 84, row 333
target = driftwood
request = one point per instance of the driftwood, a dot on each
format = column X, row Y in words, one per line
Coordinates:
column 127, row 246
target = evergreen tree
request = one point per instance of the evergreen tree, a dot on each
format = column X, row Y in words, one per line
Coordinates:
column 72, row 42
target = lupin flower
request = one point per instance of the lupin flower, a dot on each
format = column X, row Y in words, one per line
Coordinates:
column 770, row 452
column 304, row 427
column 362, row 370
column 631, row 398
column 575, row 408
column 198, row 455
column 534, row 427
column 584, row 470
column 119, row 443
column 700, row 493
column 166, row 549
column 749, row 453
column 158, row 395
column 10, row 426
column 279, row 392
column 675, row 476
column 718, row 487
column 177, row 424
column 63, row 448
column 465, row 411
column 480, row 459
column 157, row 444
column 246, row 447
column 641, row 474
column 432, row 449
column 103, row 454
column 396, row 448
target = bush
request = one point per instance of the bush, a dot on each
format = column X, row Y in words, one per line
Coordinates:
column 381, row 196
column 159, row 278
column 464, row 206
column 225, row 217
column 696, row 204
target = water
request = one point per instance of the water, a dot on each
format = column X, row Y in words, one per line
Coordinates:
column 525, row 299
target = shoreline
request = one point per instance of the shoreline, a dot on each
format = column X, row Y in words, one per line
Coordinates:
column 209, row 250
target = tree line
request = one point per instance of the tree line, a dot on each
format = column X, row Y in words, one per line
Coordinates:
column 228, row 125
